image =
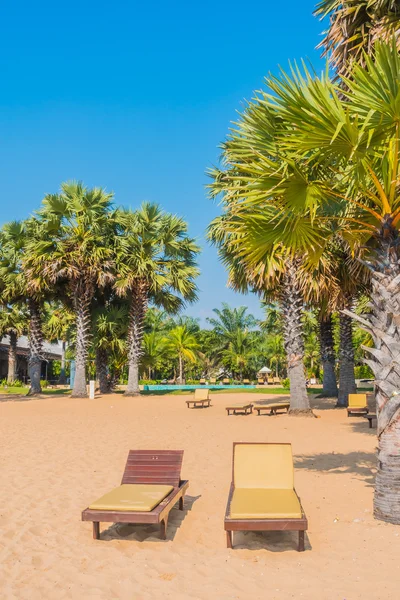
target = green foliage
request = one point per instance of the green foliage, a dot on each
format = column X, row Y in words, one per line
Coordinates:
column 286, row 383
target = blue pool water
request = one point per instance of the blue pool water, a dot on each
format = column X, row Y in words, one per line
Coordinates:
column 149, row 388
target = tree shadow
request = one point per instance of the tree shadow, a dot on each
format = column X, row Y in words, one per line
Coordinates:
column 362, row 464
column 140, row 532
column 361, row 425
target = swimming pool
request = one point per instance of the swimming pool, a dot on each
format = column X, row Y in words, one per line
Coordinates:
column 149, row 388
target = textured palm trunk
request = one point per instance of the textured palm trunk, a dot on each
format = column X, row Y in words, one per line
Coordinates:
column 62, row 380
column 383, row 323
column 329, row 385
column 347, row 382
column 292, row 309
column 82, row 297
column 35, row 346
column 180, row 378
column 101, row 371
column 137, row 313
column 12, row 357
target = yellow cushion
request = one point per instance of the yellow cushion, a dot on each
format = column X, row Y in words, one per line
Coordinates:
column 264, row 504
column 132, row 496
column 263, row 466
column 357, row 400
column 201, row 394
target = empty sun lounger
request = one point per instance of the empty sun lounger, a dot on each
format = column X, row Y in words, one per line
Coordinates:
column 150, row 488
column 357, row 405
column 226, row 381
column 271, row 408
column 246, row 381
column 239, row 409
column 213, row 380
column 260, row 381
column 201, row 399
column 262, row 495
column 202, row 381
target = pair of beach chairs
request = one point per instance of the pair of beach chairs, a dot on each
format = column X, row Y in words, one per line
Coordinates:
column 262, row 496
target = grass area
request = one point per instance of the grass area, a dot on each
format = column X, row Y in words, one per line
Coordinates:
column 22, row 391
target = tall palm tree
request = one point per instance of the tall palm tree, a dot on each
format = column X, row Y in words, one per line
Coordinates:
column 156, row 262
column 239, row 351
column 14, row 237
column 183, row 345
column 14, row 323
column 354, row 27
column 274, row 351
column 153, row 351
column 73, row 246
column 229, row 321
column 353, row 138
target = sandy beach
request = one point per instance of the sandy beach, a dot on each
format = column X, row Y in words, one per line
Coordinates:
column 58, row 455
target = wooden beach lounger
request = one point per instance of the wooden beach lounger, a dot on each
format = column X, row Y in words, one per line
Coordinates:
column 262, row 495
column 239, row 409
column 226, row 381
column 213, row 380
column 150, row 488
column 246, row 381
column 201, row 399
column 202, row 382
column 260, row 381
column 272, row 408
column 357, row 405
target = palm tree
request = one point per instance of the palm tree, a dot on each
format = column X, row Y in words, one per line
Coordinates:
column 156, row 261
column 58, row 324
column 73, row 246
column 351, row 138
column 274, row 352
column 14, row 323
column 153, row 351
column 182, row 344
column 231, row 320
column 239, row 352
column 354, row 27
column 328, row 355
column 14, row 238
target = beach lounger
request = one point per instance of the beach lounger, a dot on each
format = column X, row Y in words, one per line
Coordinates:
column 150, row 488
column 239, row 409
column 201, row 399
column 260, row 381
column 357, row 405
column 272, row 408
column 270, row 381
column 202, row 381
column 262, row 495
column 246, row 381
column 277, row 380
column 226, row 381
column 213, row 380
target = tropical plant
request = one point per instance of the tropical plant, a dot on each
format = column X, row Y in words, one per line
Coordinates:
column 58, row 326
column 182, row 345
column 354, row 27
column 73, row 246
column 14, row 323
column 156, row 262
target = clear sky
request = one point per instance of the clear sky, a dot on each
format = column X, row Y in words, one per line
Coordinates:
column 136, row 96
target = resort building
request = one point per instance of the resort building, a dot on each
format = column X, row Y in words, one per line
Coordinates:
column 50, row 352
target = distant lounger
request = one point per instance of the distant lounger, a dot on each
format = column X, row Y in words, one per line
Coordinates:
column 202, row 381
column 370, row 417
column 226, row 381
column 239, row 409
column 150, row 488
column 213, row 380
column 201, row 399
column 272, row 408
column 262, row 495
column 260, row 381
column 357, row 405
column 246, row 381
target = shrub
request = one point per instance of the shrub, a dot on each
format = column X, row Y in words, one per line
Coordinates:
column 17, row 383
column 363, row 372
column 44, row 384
column 286, row 383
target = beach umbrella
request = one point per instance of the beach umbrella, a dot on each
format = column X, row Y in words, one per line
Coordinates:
column 265, row 370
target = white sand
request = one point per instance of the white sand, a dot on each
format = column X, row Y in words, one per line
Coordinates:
column 58, row 455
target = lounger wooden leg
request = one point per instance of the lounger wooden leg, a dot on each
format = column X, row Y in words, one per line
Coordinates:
column 96, row 530
column 164, row 524
column 181, row 502
column 301, row 541
column 229, row 539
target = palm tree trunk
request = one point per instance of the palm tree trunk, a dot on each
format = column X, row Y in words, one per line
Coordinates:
column 12, row 357
column 62, row 380
column 292, row 308
column 137, row 313
column 347, row 382
column 180, row 369
column 82, row 297
column 35, row 346
column 383, row 325
column 329, row 386
column 101, row 370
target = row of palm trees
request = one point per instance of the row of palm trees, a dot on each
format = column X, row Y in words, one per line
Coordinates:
column 81, row 251
column 310, row 182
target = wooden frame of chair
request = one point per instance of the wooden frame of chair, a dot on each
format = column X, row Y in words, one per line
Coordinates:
column 231, row 525
column 158, row 467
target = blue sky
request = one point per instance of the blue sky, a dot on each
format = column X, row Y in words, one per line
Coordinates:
column 136, row 97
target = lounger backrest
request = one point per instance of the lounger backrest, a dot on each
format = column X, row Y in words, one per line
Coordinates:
column 153, row 466
column 357, row 400
column 263, row 466
column 201, row 394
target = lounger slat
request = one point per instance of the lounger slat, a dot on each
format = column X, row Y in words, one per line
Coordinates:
column 153, row 466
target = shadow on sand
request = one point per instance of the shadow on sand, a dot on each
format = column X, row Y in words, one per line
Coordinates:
column 362, row 464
